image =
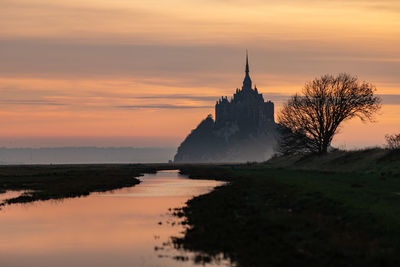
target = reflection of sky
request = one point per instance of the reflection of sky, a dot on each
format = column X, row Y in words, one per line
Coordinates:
column 158, row 186
column 98, row 68
column 98, row 230
column 9, row 194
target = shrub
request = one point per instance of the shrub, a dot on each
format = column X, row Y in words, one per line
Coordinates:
column 393, row 141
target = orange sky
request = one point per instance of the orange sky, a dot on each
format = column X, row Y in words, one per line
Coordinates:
column 144, row 73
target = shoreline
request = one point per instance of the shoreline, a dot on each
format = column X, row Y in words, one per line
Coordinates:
column 58, row 181
column 45, row 182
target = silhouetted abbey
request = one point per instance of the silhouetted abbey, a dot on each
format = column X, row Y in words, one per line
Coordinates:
column 247, row 108
column 243, row 130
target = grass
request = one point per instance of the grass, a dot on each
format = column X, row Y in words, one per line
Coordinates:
column 44, row 182
column 338, row 210
column 372, row 160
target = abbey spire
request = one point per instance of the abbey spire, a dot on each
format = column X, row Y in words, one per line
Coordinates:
column 247, row 62
column 247, row 80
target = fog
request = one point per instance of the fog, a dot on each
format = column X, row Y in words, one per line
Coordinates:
column 85, row 155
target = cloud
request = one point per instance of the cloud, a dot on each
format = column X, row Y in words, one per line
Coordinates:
column 166, row 106
column 30, row 102
column 180, row 96
column 192, row 66
column 278, row 98
column 178, row 99
column 390, row 99
column 386, row 5
column 273, row 96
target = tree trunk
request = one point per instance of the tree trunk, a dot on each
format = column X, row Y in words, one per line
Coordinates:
column 324, row 148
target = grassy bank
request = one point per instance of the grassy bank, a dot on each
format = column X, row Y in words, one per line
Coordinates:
column 45, row 182
column 337, row 210
column 372, row 161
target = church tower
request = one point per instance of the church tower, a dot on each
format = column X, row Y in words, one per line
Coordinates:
column 247, row 109
column 247, row 81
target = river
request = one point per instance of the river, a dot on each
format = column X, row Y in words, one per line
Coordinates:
column 125, row 227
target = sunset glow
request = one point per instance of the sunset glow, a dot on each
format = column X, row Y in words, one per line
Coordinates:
column 144, row 73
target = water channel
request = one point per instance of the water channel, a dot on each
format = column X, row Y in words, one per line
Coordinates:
column 126, row 227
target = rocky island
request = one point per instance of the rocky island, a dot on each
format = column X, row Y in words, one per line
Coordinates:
column 244, row 129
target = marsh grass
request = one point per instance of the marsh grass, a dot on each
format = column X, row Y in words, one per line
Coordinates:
column 44, row 182
column 339, row 210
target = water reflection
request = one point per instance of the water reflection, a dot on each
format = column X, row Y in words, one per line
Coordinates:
column 127, row 227
column 10, row 194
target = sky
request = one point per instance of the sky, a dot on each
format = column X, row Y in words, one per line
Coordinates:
column 145, row 73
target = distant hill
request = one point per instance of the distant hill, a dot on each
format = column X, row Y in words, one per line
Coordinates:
column 85, row 155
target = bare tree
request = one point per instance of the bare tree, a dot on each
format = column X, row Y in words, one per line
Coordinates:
column 293, row 142
column 324, row 104
column 393, row 141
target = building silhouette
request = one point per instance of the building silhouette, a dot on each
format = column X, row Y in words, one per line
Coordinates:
column 246, row 109
column 244, row 129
